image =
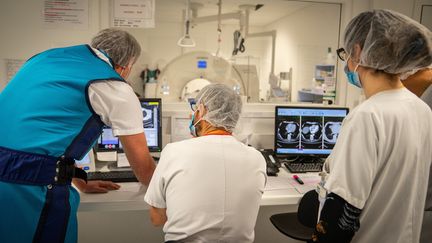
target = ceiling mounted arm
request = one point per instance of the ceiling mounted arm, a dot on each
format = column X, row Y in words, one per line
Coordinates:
column 186, row 40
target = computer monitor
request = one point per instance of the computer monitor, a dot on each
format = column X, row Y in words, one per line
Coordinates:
column 87, row 163
column 152, row 123
column 107, row 141
column 307, row 130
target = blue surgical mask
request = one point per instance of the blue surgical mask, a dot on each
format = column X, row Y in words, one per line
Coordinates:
column 192, row 125
column 353, row 77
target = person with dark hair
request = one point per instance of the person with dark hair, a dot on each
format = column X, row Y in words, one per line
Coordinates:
column 53, row 111
column 379, row 167
column 420, row 83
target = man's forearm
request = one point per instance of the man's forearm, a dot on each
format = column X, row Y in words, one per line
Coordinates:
column 138, row 155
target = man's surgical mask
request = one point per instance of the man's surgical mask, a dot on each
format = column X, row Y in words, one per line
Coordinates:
column 353, row 77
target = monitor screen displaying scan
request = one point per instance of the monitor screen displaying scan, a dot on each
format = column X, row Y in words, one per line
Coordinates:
column 307, row 130
column 152, row 117
column 152, row 122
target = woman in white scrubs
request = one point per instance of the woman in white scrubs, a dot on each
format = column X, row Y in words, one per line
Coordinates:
column 208, row 188
column 379, row 167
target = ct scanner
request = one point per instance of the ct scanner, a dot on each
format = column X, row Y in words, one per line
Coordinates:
column 185, row 75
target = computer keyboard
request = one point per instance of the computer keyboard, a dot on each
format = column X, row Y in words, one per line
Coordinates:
column 114, row 176
column 303, row 167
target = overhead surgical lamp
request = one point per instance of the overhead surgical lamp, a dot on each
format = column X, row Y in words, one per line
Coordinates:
column 186, row 40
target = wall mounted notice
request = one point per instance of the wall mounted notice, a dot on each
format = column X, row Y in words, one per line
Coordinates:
column 12, row 67
column 134, row 13
column 65, row 13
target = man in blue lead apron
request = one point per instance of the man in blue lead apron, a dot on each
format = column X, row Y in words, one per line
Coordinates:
column 51, row 113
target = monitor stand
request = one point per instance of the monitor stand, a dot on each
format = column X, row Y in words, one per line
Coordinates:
column 106, row 156
column 122, row 162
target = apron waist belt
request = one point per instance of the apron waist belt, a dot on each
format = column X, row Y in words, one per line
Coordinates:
column 36, row 169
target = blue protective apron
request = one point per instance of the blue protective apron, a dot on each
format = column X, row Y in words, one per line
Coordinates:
column 46, row 122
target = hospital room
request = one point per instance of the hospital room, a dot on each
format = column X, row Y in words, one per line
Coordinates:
column 215, row 121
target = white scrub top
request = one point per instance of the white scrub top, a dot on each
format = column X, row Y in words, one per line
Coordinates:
column 211, row 187
column 381, row 164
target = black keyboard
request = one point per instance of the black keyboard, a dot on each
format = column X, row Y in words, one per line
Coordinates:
column 294, row 167
column 114, row 176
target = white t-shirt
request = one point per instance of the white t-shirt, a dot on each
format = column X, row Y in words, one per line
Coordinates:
column 211, row 187
column 381, row 164
column 118, row 107
column 116, row 104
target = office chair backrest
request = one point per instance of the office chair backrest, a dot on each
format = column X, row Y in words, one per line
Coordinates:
column 307, row 212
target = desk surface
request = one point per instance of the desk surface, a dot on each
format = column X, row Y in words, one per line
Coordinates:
column 131, row 195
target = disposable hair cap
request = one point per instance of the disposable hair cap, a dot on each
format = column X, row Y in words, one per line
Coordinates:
column 223, row 105
column 389, row 41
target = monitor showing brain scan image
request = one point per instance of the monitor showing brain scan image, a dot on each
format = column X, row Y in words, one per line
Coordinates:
column 148, row 117
column 288, row 132
column 332, row 126
column 311, row 132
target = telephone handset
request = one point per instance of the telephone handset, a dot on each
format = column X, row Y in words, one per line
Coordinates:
column 272, row 164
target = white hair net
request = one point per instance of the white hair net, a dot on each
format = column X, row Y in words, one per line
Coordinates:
column 390, row 42
column 120, row 46
column 223, row 105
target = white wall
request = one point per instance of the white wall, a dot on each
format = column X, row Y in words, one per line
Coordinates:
column 403, row 6
column 23, row 35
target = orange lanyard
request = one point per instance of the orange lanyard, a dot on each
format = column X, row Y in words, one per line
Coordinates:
column 217, row 132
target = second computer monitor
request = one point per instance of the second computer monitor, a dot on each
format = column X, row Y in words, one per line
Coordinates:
column 307, row 130
column 107, row 141
column 152, row 123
